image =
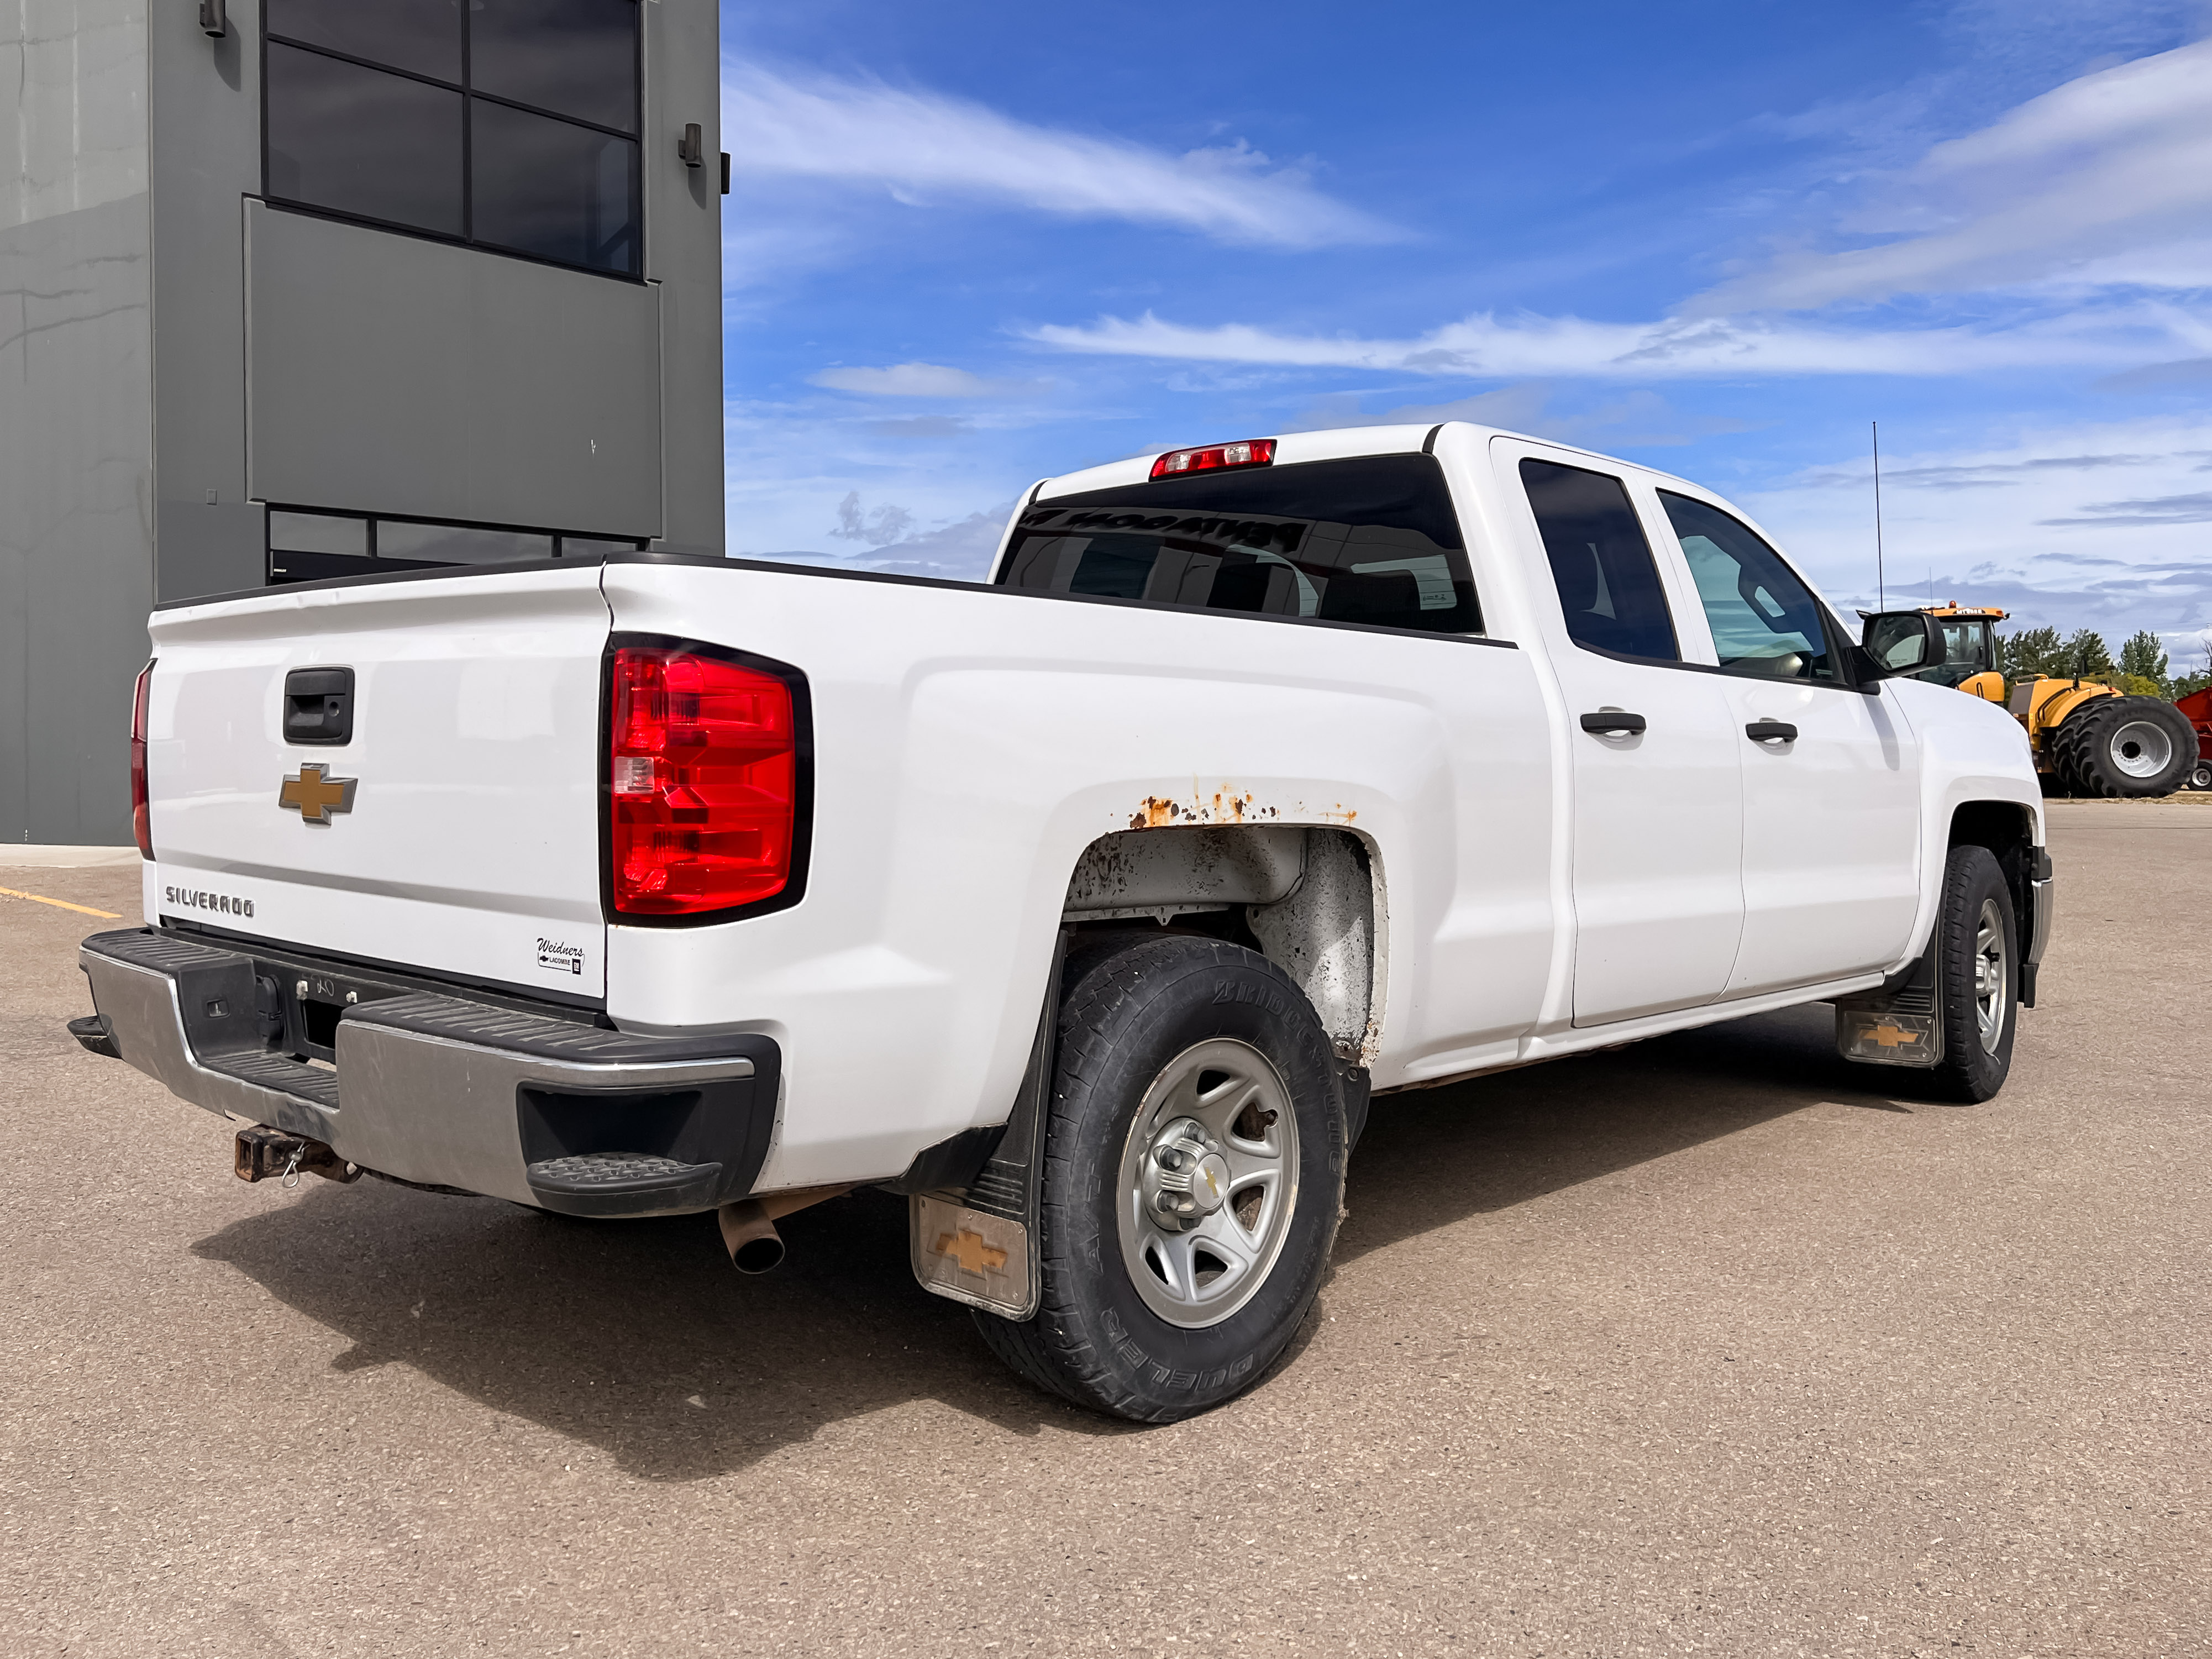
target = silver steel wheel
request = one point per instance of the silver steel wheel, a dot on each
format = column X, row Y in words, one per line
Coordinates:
column 2142, row 748
column 1992, row 961
column 1209, row 1182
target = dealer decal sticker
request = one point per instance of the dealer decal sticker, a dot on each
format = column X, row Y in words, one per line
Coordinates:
column 558, row 957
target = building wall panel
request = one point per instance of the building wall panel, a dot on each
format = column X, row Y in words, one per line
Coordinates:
column 393, row 375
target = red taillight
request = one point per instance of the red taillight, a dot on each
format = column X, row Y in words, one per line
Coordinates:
column 702, row 780
column 1259, row 451
column 142, row 823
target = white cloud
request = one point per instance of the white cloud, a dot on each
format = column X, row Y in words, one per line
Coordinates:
column 921, row 381
column 1485, row 346
column 2104, row 181
column 922, row 427
column 1635, row 419
column 924, row 147
column 959, row 551
column 2107, row 526
column 2075, row 202
column 888, row 523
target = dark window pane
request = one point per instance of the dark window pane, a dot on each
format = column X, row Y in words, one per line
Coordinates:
column 318, row 532
column 1601, row 563
column 1372, row 540
column 359, row 141
column 317, row 567
column 422, row 35
column 579, row 57
column 449, row 543
column 558, row 190
column 1765, row 620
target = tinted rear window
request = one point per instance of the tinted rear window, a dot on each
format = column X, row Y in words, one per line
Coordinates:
column 1372, row 540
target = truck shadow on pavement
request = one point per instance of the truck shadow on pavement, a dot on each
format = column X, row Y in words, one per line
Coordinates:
column 1431, row 1157
column 639, row 1339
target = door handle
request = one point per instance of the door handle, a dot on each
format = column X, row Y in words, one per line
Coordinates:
column 1613, row 723
column 1770, row 731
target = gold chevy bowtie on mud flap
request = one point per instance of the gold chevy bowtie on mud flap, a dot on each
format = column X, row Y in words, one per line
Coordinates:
column 972, row 1255
column 976, row 1243
column 1953, row 1016
column 1898, row 1025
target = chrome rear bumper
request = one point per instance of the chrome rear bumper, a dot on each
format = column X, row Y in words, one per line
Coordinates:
column 442, row 1090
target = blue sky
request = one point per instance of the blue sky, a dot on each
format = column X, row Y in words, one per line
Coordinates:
column 969, row 244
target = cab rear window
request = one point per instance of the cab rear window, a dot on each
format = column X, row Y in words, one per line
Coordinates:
column 1372, row 540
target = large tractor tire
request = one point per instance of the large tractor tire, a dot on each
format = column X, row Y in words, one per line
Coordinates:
column 2123, row 747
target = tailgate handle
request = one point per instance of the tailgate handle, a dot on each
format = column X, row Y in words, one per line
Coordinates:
column 318, row 705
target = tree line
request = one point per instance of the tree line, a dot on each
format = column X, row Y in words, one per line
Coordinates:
column 2139, row 671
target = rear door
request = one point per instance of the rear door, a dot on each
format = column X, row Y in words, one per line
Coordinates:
column 1657, row 819
column 1831, row 810
column 445, row 819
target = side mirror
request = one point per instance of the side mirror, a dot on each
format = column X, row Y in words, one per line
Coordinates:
column 1902, row 643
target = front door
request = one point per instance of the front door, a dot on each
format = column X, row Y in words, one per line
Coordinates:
column 1832, row 810
column 1658, row 804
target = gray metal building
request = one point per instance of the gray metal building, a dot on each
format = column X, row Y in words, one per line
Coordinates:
column 290, row 286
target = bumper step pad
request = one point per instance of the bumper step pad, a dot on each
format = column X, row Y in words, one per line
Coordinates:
column 614, row 1183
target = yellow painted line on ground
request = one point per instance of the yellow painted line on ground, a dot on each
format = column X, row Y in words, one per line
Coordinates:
column 60, row 904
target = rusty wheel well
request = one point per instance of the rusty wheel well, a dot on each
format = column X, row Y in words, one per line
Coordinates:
column 1307, row 898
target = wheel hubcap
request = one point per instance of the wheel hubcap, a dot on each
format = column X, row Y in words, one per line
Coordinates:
column 2141, row 749
column 1186, row 1178
column 1993, row 952
column 1209, row 1182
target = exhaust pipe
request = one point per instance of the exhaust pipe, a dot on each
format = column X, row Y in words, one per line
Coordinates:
column 750, row 1237
column 749, row 1225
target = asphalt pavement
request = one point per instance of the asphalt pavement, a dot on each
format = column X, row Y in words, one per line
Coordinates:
column 1708, row 1345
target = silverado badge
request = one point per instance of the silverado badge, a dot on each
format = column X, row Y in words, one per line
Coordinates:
column 314, row 795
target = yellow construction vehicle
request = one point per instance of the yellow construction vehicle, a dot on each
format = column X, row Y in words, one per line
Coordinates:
column 2090, row 738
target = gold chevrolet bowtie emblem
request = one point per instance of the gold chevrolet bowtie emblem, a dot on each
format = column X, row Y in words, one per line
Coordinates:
column 971, row 1251
column 314, row 795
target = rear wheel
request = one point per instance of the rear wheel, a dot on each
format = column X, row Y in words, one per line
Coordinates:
column 2122, row 747
column 1193, row 1174
column 2200, row 775
column 1977, row 977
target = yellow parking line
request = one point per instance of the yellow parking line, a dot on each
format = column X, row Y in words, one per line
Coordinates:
column 60, row 904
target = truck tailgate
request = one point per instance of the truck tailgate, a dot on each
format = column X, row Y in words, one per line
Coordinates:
column 463, row 822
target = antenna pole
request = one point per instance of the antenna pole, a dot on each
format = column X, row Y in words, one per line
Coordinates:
column 1880, row 583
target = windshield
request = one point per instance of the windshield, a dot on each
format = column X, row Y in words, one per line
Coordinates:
column 1372, row 540
column 1968, row 650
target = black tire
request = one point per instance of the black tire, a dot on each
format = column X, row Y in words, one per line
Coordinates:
column 1975, row 1065
column 1127, row 1020
column 2200, row 776
column 2123, row 748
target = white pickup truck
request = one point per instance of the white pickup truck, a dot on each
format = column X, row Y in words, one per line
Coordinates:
column 1085, row 906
